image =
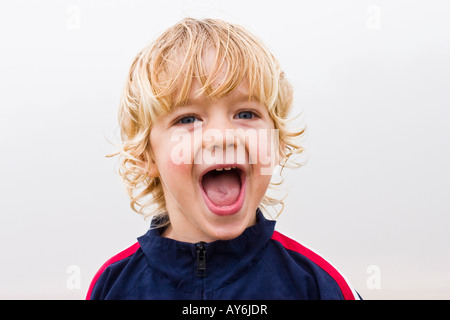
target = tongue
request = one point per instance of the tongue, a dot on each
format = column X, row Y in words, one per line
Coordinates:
column 222, row 188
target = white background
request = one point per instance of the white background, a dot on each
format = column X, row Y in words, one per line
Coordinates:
column 371, row 77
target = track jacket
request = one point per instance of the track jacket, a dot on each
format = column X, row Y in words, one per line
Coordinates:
column 259, row 264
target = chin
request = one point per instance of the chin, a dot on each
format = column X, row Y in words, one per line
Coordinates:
column 225, row 234
column 228, row 228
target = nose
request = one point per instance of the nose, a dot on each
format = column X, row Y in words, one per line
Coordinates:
column 219, row 133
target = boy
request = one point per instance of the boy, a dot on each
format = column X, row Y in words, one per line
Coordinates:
column 203, row 117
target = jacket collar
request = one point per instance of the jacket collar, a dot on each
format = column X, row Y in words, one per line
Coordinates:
column 225, row 260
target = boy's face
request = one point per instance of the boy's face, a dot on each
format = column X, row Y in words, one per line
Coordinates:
column 190, row 143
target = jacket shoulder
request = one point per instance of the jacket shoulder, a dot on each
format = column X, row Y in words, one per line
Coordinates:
column 289, row 244
column 121, row 256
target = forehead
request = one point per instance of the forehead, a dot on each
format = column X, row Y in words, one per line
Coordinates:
column 214, row 65
column 198, row 95
column 211, row 75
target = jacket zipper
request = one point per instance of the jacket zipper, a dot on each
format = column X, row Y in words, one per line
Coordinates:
column 201, row 259
column 201, row 265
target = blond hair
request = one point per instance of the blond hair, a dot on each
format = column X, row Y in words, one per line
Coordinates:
column 160, row 78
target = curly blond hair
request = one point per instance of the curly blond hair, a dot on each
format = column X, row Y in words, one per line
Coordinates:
column 160, row 78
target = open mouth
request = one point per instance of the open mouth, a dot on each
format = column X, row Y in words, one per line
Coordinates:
column 223, row 189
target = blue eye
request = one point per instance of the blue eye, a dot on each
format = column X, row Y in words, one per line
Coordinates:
column 245, row 115
column 187, row 120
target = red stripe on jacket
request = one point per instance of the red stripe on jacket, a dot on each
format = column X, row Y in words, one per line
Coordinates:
column 290, row 244
column 121, row 255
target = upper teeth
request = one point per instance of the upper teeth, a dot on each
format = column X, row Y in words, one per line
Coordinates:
column 227, row 168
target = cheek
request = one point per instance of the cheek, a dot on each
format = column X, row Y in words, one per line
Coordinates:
column 261, row 185
column 265, row 151
column 174, row 170
column 181, row 147
column 177, row 182
column 178, row 171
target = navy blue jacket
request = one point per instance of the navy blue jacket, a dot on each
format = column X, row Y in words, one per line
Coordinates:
column 259, row 264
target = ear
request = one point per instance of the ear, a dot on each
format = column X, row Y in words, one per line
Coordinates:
column 148, row 165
